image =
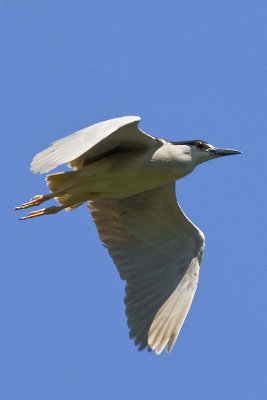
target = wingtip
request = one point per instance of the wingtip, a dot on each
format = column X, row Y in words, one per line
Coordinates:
column 36, row 168
column 132, row 118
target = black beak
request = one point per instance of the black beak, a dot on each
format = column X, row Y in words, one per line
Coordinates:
column 224, row 152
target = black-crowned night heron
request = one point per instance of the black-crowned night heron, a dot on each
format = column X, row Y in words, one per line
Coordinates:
column 129, row 179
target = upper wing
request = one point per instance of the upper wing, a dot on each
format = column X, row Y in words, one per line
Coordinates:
column 91, row 142
column 157, row 251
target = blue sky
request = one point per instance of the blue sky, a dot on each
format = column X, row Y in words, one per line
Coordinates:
column 193, row 69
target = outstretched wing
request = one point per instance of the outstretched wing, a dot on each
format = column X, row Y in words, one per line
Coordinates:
column 157, row 250
column 92, row 142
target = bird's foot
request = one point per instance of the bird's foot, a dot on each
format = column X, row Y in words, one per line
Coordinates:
column 35, row 201
column 43, row 211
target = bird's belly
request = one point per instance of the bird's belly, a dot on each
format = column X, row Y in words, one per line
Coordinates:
column 123, row 178
column 127, row 185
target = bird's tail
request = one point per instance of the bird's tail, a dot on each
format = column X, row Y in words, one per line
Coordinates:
column 65, row 186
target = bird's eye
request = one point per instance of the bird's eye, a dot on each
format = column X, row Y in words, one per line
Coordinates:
column 201, row 145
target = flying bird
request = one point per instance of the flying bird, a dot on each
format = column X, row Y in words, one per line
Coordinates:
column 128, row 177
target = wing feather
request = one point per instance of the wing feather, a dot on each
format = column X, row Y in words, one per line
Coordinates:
column 91, row 142
column 157, row 250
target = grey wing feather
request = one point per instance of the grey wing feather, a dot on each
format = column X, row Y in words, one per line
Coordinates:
column 91, row 142
column 157, row 250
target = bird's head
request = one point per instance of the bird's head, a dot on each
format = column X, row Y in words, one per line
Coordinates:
column 201, row 151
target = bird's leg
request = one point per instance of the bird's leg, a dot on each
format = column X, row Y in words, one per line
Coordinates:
column 43, row 211
column 36, row 201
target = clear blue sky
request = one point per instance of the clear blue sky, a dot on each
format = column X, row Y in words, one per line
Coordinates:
column 191, row 69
